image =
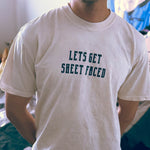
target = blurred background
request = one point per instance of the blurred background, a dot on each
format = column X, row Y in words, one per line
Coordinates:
column 15, row 13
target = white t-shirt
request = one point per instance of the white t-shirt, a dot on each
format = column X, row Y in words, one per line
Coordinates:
column 78, row 69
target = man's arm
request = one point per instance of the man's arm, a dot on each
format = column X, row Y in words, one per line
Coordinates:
column 127, row 113
column 19, row 116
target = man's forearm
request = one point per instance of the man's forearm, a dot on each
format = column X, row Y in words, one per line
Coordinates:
column 127, row 113
column 25, row 124
column 17, row 113
column 123, row 123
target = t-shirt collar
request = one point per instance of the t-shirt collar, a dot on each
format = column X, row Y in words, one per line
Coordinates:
column 88, row 25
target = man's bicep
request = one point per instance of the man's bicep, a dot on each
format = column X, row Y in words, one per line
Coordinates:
column 16, row 103
column 127, row 113
column 128, row 108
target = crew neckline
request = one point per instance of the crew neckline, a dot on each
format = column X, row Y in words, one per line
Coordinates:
column 81, row 23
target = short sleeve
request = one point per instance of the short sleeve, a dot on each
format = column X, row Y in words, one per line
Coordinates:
column 136, row 87
column 18, row 77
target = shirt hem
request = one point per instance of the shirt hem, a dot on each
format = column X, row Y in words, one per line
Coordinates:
column 135, row 98
column 13, row 91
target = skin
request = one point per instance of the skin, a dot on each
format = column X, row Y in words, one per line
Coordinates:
column 127, row 113
column 89, row 10
column 17, row 113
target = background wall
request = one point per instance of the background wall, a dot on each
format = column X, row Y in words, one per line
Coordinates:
column 36, row 8
column 21, row 13
column 15, row 13
column 8, row 21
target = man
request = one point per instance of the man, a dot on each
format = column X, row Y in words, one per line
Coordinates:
column 80, row 59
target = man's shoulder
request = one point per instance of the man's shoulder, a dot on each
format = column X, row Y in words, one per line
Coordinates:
column 133, row 39
column 127, row 29
column 122, row 23
column 41, row 24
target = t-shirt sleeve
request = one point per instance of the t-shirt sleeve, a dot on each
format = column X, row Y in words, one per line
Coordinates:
column 18, row 77
column 136, row 87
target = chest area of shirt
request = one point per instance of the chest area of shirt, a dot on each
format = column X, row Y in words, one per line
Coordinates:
column 77, row 61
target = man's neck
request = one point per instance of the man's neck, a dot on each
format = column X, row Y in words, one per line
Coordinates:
column 92, row 12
